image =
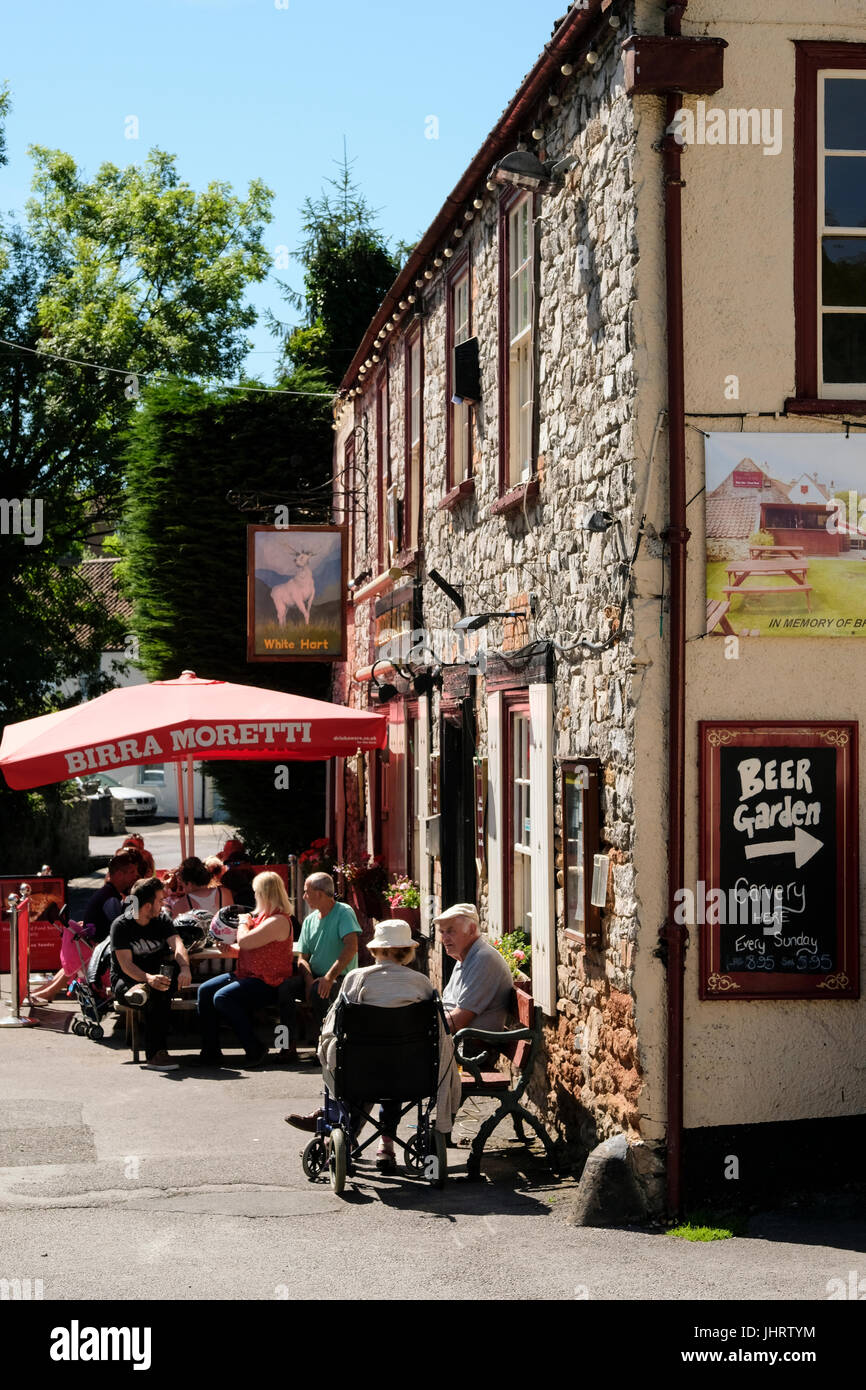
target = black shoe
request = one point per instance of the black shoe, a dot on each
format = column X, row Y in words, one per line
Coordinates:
column 257, row 1061
column 209, row 1057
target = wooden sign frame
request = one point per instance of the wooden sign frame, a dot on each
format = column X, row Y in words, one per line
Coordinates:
column 291, row 644
column 840, row 869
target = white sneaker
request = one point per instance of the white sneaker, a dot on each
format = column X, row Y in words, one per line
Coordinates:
column 161, row 1061
column 136, row 996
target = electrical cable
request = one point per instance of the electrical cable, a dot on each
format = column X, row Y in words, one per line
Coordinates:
column 160, row 376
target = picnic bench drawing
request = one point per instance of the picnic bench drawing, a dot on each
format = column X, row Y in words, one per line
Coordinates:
column 740, row 571
column 772, row 552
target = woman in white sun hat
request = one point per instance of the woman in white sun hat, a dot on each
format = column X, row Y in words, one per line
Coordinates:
column 389, row 984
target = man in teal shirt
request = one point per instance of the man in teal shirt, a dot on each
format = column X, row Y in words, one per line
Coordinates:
column 328, row 945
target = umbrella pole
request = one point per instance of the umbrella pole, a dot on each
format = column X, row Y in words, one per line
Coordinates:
column 180, row 810
column 190, row 804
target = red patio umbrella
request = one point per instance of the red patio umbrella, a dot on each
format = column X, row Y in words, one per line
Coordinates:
column 176, row 721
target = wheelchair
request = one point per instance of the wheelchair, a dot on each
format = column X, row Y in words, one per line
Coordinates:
column 382, row 1054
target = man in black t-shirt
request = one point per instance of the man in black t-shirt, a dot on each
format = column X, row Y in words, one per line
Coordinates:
column 142, row 940
column 104, row 905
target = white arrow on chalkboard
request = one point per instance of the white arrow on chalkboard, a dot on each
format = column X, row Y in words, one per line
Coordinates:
column 803, row 846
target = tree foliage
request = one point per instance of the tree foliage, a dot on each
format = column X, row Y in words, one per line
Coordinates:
column 137, row 272
column 184, row 560
column 348, row 269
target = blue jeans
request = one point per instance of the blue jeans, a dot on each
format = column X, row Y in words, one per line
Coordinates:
column 229, row 1000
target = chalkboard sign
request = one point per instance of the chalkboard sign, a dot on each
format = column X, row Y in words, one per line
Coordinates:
column 777, row 900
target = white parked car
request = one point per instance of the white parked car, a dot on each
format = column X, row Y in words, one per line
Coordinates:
column 135, row 802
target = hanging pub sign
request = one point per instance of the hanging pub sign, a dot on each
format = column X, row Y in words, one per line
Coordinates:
column 777, row 902
column 296, row 593
column 786, row 535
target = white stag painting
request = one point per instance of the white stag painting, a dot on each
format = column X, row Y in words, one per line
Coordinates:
column 296, row 588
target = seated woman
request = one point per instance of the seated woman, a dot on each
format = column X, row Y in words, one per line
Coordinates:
column 194, row 890
column 264, row 956
column 389, row 984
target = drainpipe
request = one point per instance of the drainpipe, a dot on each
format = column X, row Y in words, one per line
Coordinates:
column 677, row 535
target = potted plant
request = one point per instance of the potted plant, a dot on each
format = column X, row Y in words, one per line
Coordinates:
column 318, row 859
column 516, row 949
column 404, row 899
column 367, row 882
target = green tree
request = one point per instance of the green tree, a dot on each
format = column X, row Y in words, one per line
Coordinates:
column 348, row 269
column 184, row 561
column 137, row 272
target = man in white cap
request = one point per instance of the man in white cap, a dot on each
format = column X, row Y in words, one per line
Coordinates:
column 480, row 986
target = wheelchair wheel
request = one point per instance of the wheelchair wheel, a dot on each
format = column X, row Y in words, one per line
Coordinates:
column 79, row 1027
column 415, row 1154
column 337, row 1160
column 315, row 1158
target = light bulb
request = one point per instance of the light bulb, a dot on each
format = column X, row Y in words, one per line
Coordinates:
column 437, row 261
column 614, row 21
column 491, row 186
column 411, row 299
column 448, row 253
column 419, row 284
column 458, row 231
column 403, row 303
column 592, row 57
column 478, row 202
column 428, row 274
column 468, row 215
column 567, row 69
column 553, row 99
column 538, row 133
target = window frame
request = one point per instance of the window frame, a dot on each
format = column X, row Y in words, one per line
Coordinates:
column 413, row 525
column 513, row 703
column 814, row 58
column 590, row 831
column 507, row 207
column 462, row 269
column 383, row 468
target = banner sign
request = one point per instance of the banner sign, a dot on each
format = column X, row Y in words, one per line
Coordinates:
column 777, row 901
column 296, row 593
column 786, row 535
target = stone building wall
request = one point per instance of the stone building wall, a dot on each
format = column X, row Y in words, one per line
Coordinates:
column 590, row 1079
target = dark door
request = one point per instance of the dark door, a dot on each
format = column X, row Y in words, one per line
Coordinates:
column 457, row 826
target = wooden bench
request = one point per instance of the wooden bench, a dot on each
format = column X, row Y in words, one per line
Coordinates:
column 782, row 589
column 717, row 616
column 521, row 1046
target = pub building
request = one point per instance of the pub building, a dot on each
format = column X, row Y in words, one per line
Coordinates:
column 635, row 744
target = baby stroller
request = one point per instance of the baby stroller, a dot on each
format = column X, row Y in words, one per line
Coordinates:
column 382, row 1054
column 90, row 966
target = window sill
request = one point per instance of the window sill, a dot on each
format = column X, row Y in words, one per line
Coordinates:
column 516, row 499
column 574, row 938
column 453, row 498
column 406, row 559
column 810, row 405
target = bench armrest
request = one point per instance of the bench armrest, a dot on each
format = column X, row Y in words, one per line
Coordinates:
column 507, row 1036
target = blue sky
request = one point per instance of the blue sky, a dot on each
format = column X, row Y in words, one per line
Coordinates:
column 241, row 89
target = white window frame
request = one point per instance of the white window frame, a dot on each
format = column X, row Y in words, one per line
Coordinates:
column 828, row 389
column 520, row 309
column 461, row 459
column 415, row 420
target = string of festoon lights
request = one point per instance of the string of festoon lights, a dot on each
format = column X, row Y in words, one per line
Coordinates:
column 584, row 59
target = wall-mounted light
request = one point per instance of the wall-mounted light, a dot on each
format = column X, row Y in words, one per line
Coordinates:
column 384, row 690
column 567, row 69
column 448, row 590
column 598, row 521
column 473, row 621
column 478, row 203
column 525, row 170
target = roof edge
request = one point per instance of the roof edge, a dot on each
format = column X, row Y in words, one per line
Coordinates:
column 573, row 25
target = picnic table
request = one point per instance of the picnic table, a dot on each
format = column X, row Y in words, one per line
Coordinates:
column 739, row 571
column 771, row 552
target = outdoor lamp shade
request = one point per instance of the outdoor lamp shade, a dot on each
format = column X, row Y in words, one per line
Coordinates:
column 525, row 170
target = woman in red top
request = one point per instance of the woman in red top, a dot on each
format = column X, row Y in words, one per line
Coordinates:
column 264, row 956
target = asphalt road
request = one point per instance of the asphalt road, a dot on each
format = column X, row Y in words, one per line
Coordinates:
column 117, row 1182
column 162, row 838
